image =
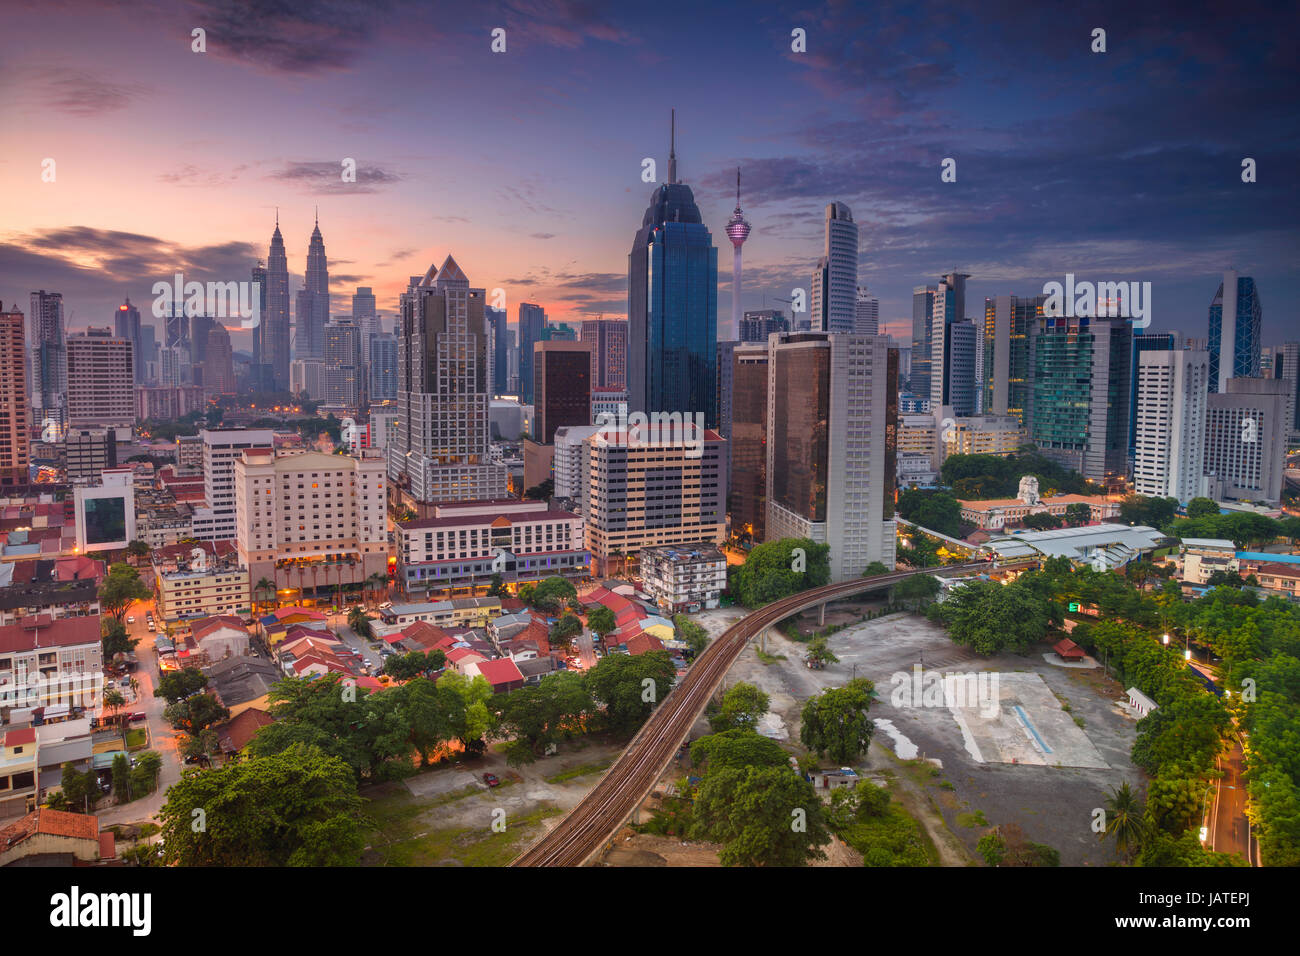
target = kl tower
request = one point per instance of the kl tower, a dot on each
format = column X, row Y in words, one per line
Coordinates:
column 737, row 232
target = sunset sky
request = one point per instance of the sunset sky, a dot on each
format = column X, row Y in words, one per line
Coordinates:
column 526, row 165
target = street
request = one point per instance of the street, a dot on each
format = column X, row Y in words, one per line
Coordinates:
column 1229, row 829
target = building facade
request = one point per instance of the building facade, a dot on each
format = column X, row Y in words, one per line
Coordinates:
column 1169, row 442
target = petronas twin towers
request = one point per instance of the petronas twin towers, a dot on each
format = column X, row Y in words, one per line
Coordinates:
column 311, row 314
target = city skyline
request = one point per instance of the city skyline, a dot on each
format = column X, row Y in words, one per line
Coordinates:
column 1038, row 152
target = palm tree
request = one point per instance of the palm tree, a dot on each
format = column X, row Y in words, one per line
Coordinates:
column 113, row 700
column 379, row 581
column 1123, row 820
column 266, row 588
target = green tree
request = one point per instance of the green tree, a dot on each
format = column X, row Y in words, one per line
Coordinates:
column 1123, row 821
column 555, row 709
column 121, row 588
column 601, row 620
column 1202, row 508
column 769, row 572
column 1041, row 521
column 295, row 808
column 195, row 714
column 144, row 775
column 415, row 664
column 743, row 705
column 1077, row 514
column 696, row 637
column 991, row 617
column 740, row 747
column 567, row 627
column 552, row 593
column 113, row 700
column 177, row 685
column 819, row 651
column 762, row 816
column 138, row 549
column 498, row 586
column 122, row 778
column 476, row 718
column 916, row 590
column 80, row 790
column 360, row 622
column 629, row 687
column 936, row 510
column 835, row 722
column 873, row 569
column 115, row 640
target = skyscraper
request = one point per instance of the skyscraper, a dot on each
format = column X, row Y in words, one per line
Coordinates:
column 313, row 305
column 101, row 380
column 608, row 340
column 218, row 363
column 383, row 368
column 1235, row 319
column 832, row 417
column 49, row 357
column 364, row 312
column 747, row 441
column 499, row 327
column 261, row 375
column 275, row 317
column 952, row 348
column 756, row 326
column 562, row 387
column 922, row 334
column 737, row 232
column 1008, row 320
column 835, row 277
column 1245, row 439
column 1145, row 342
column 866, row 316
column 532, row 326
column 673, row 306
column 442, row 444
column 126, row 325
column 14, row 399
column 1169, row 456
column 1286, row 366
column 1079, row 392
column 342, row 348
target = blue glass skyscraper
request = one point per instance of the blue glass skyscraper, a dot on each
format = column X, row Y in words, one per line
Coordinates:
column 1234, row 339
column 673, row 306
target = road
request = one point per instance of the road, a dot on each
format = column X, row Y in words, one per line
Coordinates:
column 1229, row 828
column 161, row 736
column 597, row 818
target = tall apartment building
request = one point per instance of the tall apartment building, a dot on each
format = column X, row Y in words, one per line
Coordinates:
column 15, row 400
column 648, row 489
column 1234, row 331
column 757, row 325
column 221, row 449
column 383, row 368
column 1008, row 321
column 1286, row 366
column 365, row 312
column 442, row 447
column 569, row 462
column 261, row 374
column 49, row 358
column 532, row 326
column 1169, row 441
column 835, row 277
column 832, row 420
column 561, row 387
column 307, row 375
column 866, row 313
column 923, row 297
column 1245, row 439
column 342, row 383
column 608, row 340
column 310, row 521
column 166, row 403
column 126, row 325
column 499, row 331
column 952, row 348
column 747, row 442
column 101, row 380
column 1079, row 393
column 219, row 363
column 1144, row 342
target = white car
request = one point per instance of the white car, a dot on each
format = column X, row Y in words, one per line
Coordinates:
column 130, row 619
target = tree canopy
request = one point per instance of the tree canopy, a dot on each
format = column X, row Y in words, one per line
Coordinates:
column 769, row 574
column 835, row 722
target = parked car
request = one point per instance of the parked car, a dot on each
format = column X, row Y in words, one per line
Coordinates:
column 491, row 780
column 136, row 717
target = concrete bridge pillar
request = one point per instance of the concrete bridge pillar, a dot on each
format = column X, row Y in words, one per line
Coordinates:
column 821, row 614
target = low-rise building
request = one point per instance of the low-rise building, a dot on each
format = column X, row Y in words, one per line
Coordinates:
column 52, row 663
column 17, row 772
column 208, row 583
column 684, row 577
column 59, row 587
column 464, row 544
column 1103, row 547
column 241, row 683
column 995, row 513
column 456, row 612
column 55, row 837
column 1203, row 556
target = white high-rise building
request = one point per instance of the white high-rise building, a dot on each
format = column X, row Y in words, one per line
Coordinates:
column 867, row 313
column 1172, row 386
column 1245, row 439
column 835, row 278
column 221, row 448
column 570, row 460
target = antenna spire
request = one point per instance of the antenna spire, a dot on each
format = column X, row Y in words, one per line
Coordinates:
column 672, row 148
column 737, row 187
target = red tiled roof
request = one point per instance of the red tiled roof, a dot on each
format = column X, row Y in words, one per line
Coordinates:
column 643, row 643
column 20, row 737
column 458, row 654
column 1068, row 649
column 39, row 631
column 500, row 672
column 206, row 626
column 235, row 734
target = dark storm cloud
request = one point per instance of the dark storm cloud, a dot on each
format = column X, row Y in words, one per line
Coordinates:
column 327, row 176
